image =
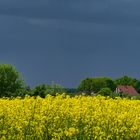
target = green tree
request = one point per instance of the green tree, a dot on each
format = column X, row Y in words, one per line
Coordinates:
column 125, row 80
column 86, row 86
column 137, row 86
column 89, row 85
column 11, row 83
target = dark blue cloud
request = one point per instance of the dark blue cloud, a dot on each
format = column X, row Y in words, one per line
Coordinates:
column 65, row 41
column 102, row 11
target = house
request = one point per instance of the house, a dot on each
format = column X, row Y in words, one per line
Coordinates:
column 130, row 90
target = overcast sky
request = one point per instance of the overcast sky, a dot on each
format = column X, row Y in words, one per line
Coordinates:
column 68, row 40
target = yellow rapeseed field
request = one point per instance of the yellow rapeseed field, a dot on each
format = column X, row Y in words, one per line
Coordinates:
column 65, row 118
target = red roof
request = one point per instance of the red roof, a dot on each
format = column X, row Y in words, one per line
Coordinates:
column 127, row 89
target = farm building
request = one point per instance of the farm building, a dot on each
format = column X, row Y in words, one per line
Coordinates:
column 130, row 90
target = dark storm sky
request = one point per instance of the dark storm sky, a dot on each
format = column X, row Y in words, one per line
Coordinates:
column 68, row 40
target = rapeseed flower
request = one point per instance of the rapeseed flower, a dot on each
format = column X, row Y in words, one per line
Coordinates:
column 62, row 117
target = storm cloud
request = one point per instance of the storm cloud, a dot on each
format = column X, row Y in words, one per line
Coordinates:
column 66, row 41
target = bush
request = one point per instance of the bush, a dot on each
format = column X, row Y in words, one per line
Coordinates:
column 43, row 90
column 39, row 90
column 105, row 92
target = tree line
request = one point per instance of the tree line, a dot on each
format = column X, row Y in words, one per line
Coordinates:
column 12, row 85
column 106, row 86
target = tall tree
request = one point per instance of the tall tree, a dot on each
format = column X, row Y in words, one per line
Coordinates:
column 11, row 83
